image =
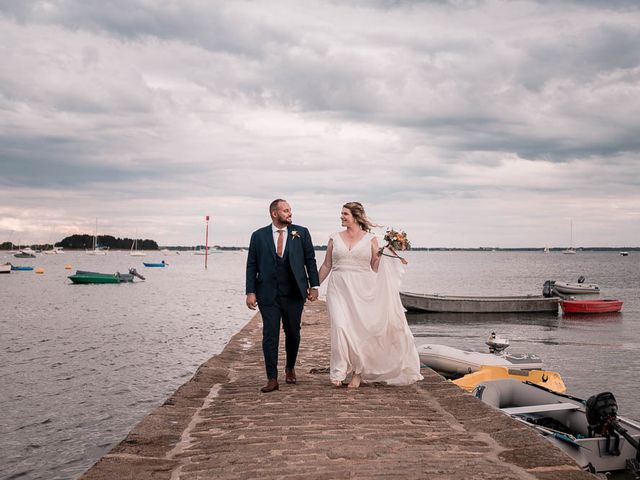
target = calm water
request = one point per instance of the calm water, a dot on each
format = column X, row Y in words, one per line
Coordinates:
column 81, row 365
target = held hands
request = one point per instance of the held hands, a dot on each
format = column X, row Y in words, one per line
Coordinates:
column 312, row 294
column 252, row 301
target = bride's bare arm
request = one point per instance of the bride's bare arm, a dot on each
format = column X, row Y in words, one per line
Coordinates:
column 325, row 268
column 375, row 257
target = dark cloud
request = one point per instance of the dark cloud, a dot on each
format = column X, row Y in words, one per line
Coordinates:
column 63, row 162
column 215, row 27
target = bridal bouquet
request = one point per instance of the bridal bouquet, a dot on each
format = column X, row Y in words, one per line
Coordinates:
column 397, row 240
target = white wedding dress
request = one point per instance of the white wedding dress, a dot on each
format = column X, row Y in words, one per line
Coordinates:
column 369, row 331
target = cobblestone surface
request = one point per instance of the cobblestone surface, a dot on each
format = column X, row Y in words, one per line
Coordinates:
column 219, row 425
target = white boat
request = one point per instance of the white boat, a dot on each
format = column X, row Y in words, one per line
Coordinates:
column 5, row 268
column 203, row 251
column 576, row 287
column 134, row 249
column 624, row 254
column 97, row 250
column 26, row 252
column 589, row 431
column 453, row 361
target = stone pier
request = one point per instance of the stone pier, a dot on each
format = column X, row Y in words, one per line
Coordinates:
column 219, row 425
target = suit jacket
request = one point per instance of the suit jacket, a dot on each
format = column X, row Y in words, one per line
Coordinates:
column 261, row 263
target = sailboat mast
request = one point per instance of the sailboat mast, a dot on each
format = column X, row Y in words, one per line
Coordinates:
column 572, row 233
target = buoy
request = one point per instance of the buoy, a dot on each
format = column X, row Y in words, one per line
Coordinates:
column 68, row 267
column 39, row 270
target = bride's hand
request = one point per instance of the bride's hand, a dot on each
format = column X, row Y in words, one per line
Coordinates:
column 404, row 262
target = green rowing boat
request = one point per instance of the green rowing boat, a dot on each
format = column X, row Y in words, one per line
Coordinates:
column 94, row 278
column 82, row 276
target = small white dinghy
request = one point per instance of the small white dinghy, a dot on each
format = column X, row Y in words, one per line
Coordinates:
column 578, row 287
column 453, row 361
column 589, row 431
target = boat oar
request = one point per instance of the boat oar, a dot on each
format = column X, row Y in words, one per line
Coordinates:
column 563, row 437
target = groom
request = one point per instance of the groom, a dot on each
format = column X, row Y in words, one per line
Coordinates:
column 281, row 266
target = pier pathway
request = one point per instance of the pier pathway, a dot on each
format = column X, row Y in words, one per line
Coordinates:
column 219, row 425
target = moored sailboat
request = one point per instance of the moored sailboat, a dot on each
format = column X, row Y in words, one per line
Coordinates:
column 97, row 250
column 134, row 249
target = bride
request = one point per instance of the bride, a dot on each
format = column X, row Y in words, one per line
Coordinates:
column 370, row 337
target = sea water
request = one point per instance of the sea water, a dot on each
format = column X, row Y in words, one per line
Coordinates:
column 80, row 365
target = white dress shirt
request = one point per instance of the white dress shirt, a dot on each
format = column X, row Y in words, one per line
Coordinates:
column 275, row 237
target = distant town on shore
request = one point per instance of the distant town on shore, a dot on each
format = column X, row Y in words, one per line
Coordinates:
column 85, row 242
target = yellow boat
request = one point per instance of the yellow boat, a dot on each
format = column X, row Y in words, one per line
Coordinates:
column 547, row 379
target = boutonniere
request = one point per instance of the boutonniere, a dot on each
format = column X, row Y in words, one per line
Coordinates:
column 295, row 234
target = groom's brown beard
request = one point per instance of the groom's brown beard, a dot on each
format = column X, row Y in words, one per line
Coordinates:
column 286, row 220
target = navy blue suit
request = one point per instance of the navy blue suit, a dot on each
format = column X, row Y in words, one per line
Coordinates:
column 280, row 285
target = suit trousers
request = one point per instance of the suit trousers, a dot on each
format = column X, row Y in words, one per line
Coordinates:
column 289, row 310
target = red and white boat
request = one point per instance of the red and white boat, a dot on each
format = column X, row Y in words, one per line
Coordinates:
column 590, row 306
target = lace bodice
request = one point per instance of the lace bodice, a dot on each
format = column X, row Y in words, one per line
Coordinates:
column 358, row 259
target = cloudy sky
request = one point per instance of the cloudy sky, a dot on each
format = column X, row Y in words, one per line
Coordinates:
column 467, row 123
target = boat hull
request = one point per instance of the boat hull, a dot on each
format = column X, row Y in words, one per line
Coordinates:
column 591, row 306
column 576, row 288
column 534, row 406
column 453, row 361
column 465, row 304
column 19, row 268
column 159, row 265
column 6, row 268
column 99, row 278
column 545, row 378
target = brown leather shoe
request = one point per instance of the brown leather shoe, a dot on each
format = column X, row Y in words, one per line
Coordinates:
column 271, row 385
column 290, row 375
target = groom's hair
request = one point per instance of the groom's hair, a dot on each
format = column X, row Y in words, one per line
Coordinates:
column 274, row 205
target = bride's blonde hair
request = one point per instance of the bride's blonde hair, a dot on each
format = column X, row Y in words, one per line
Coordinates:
column 359, row 215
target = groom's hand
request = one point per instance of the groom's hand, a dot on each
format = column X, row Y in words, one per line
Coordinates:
column 252, row 302
column 312, row 294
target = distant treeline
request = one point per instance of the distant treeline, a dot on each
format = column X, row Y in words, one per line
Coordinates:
column 82, row 242
column 86, row 242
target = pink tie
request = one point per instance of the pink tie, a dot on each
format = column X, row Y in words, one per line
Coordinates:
column 280, row 242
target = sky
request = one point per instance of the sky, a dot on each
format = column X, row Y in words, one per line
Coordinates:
column 464, row 123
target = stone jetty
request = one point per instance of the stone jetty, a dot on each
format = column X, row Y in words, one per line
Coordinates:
column 219, row 425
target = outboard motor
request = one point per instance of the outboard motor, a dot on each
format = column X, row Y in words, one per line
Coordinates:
column 547, row 288
column 496, row 344
column 133, row 272
column 602, row 413
column 602, row 416
column 581, row 279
